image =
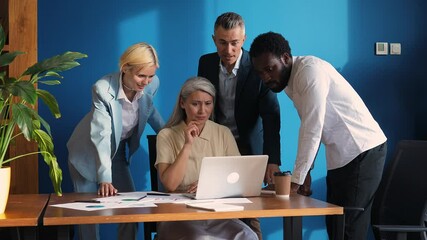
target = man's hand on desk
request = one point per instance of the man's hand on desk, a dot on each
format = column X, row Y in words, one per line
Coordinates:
column 269, row 173
column 305, row 188
column 294, row 188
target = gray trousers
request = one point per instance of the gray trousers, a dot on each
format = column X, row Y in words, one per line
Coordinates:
column 122, row 180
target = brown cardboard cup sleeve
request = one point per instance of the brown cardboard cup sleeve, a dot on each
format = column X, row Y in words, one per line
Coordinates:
column 282, row 184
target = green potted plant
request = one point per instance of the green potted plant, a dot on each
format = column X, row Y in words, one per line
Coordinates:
column 18, row 96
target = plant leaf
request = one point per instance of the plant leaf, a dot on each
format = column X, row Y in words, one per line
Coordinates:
column 3, row 74
column 44, row 141
column 28, row 120
column 56, row 63
column 40, row 121
column 23, row 117
column 50, row 101
column 2, row 105
column 24, row 90
column 52, row 74
column 6, row 133
column 7, row 58
column 50, row 82
column 46, row 147
column 2, row 38
column 55, row 174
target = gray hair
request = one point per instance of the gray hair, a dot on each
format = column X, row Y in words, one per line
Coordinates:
column 229, row 20
column 190, row 86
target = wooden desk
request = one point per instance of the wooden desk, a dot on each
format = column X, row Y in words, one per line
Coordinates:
column 24, row 211
column 292, row 210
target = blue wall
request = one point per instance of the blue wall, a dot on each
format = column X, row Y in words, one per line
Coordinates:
column 342, row 32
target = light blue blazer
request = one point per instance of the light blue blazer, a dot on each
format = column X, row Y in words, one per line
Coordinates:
column 96, row 138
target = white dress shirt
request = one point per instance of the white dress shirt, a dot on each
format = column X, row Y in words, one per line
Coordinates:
column 331, row 112
column 227, row 96
column 129, row 111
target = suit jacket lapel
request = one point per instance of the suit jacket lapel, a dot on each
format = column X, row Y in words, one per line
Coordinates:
column 242, row 74
column 116, row 109
column 213, row 75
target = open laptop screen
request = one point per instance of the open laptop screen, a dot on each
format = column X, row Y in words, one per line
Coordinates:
column 231, row 176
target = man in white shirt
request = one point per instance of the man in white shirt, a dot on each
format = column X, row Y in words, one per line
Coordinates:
column 331, row 113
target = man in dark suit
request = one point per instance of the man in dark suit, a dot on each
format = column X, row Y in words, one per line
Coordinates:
column 244, row 103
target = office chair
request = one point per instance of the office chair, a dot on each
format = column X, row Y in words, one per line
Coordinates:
column 400, row 206
column 150, row 227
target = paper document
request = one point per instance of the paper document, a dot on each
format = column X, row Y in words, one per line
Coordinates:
column 104, row 205
column 143, row 199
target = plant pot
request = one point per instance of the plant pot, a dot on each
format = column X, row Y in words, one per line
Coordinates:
column 4, row 187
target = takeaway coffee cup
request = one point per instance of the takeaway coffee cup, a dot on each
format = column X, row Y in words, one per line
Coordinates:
column 282, row 183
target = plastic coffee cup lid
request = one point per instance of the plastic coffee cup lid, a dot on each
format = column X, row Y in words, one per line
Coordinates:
column 286, row 173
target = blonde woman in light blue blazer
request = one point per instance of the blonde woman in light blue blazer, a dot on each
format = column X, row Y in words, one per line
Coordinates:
column 103, row 143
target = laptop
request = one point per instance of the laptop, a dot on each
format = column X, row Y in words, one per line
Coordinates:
column 230, row 176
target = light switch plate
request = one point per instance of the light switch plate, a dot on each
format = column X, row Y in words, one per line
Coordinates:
column 381, row 48
column 395, row 49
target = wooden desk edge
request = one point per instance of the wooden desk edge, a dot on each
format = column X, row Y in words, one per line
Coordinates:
column 193, row 214
column 26, row 221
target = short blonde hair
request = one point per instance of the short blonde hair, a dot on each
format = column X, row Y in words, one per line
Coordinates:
column 141, row 55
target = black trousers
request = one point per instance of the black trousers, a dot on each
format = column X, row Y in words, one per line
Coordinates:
column 354, row 185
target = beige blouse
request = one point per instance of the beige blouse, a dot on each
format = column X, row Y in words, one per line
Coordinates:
column 214, row 140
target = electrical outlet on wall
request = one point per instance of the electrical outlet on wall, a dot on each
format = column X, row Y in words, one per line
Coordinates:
column 395, row 49
column 381, row 48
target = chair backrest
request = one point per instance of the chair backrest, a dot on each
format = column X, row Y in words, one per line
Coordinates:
column 402, row 196
column 152, row 157
column 150, row 227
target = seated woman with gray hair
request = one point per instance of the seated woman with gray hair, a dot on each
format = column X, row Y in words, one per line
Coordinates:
column 188, row 136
